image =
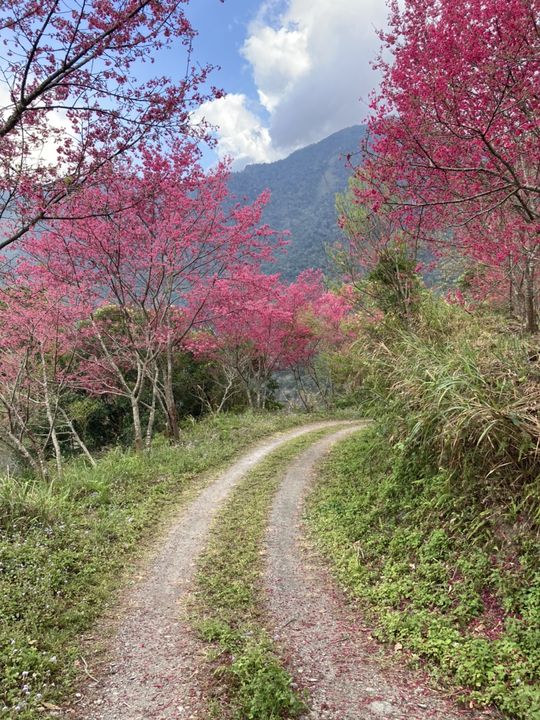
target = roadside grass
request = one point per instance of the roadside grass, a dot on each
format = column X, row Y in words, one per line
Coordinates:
column 65, row 545
column 250, row 681
column 453, row 582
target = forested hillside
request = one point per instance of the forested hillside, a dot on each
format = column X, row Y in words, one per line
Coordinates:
column 303, row 187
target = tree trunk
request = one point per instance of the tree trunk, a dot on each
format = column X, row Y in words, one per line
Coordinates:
column 38, row 465
column 78, row 439
column 152, row 415
column 137, row 428
column 172, row 413
column 530, row 306
column 511, row 288
column 51, row 416
column 227, row 392
column 300, row 389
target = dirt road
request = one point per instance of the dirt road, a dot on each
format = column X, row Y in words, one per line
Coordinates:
column 154, row 659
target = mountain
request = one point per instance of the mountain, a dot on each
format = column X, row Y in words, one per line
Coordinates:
column 303, row 187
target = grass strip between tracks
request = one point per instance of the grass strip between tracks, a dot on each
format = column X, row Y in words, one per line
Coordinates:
column 250, row 680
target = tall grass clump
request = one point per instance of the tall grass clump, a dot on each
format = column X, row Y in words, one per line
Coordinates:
column 432, row 517
column 24, row 502
column 461, row 392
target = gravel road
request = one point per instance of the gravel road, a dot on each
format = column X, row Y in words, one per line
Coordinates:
column 155, row 660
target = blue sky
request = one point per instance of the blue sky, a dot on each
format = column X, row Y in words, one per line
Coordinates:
column 294, row 70
column 223, row 28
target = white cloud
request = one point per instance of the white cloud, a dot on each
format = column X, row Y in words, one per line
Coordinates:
column 278, row 58
column 241, row 134
column 310, row 61
column 340, row 41
column 43, row 153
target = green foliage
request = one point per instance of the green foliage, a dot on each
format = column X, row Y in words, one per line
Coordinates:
column 26, row 502
column 432, row 516
column 394, row 285
column 263, row 685
column 376, row 258
column 63, row 546
column 107, row 421
column 101, row 422
column 228, row 610
column 196, row 387
column 460, row 389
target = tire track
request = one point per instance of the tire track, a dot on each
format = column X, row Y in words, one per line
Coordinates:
column 330, row 651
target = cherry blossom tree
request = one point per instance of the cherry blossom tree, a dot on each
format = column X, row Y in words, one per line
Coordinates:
column 37, row 354
column 259, row 326
column 454, row 136
column 327, row 320
column 77, row 91
column 491, row 257
column 146, row 265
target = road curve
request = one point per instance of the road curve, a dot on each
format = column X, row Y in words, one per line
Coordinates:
column 155, row 658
